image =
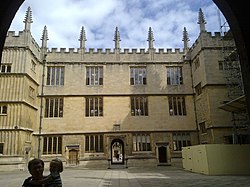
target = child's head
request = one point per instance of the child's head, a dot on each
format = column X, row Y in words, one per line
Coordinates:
column 56, row 165
column 36, row 168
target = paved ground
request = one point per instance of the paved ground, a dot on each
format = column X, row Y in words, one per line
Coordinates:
column 160, row 176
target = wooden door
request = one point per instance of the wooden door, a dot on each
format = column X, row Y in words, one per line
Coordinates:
column 73, row 157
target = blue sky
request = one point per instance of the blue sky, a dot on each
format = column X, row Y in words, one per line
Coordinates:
column 167, row 18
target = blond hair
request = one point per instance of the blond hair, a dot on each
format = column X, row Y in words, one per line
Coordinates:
column 59, row 163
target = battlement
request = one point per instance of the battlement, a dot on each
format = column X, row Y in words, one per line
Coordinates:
column 112, row 51
column 211, row 38
column 14, row 34
column 17, row 38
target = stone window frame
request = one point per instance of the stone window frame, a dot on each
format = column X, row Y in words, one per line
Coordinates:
column 94, row 143
column 94, row 106
column 138, row 75
column 177, row 106
column 141, row 142
column 3, row 109
column 52, row 145
column 174, row 75
column 94, row 75
column 55, row 76
column 139, row 105
column 5, row 68
column 54, row 107
column 181, row 139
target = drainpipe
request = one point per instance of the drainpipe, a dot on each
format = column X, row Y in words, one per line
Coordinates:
column 41, row 110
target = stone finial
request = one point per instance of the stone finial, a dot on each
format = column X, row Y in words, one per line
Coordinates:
column 150, row 38
column 117, row 38
column 28, row 19
column 44, row 39
column 201, row 21
column 185, row 39
column 82, row 38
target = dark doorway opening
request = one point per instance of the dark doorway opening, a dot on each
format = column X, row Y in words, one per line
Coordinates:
column 162, row 152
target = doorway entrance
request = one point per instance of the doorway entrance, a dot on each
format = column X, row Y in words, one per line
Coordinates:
column 117, row 152
column 72, row 154
column 163, row 153
column 73, row 157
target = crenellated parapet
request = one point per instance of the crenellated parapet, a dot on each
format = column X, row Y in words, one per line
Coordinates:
column 208, row 39
column 19, row 39
column 112, row 51
column 99, row 55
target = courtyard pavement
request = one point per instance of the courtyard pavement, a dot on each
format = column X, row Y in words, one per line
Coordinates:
column 161, row 176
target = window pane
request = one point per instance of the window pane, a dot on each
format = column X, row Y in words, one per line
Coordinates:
column 53, row 76
column 56, row 108
column 92, row 74
column 3, row 69
column 47, row 108
column 8, row 69
column 4, row 109
column 87, row 108
column 45, row 144
column 96, row 144
column 59, row 145
column 62, row 76
column 50, row 145
column 48, row 75
column 91, row 143
column 87, row 143
column 101, row 143
column 54, row 145
column 51, row 107
column 61, row 108
column 100, row 107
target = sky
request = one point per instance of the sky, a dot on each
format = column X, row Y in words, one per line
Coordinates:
column 167, row 18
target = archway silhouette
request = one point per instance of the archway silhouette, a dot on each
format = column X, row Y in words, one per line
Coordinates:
column 117, row 151
column 235, row 12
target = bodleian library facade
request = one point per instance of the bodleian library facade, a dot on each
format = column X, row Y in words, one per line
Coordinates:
column 117, row 106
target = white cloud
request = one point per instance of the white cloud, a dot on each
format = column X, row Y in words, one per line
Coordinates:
column 64, row 19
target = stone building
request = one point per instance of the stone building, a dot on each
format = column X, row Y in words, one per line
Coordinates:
column 110, row 106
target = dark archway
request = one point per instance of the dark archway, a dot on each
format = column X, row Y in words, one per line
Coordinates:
column 117, row 151
column 8, row 9
column 236, row 13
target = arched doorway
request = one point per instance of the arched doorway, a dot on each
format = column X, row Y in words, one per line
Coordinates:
column 117, row 151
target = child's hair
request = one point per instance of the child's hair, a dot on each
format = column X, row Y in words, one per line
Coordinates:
column 59, row 163
column 33, row 162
